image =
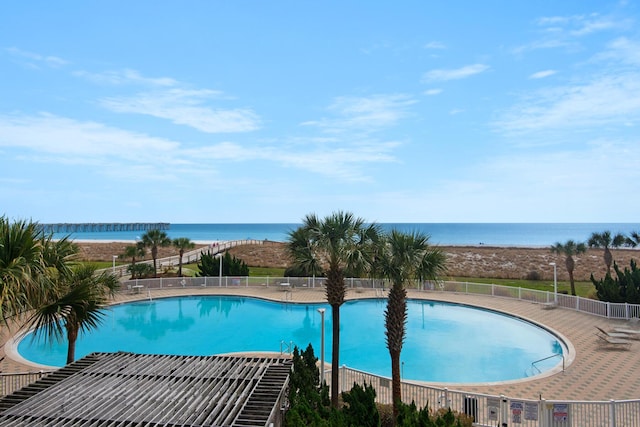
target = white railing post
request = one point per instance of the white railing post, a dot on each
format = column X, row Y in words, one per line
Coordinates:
column 612, row 413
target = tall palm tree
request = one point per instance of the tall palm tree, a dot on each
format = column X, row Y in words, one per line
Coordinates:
column 341, row 242
column 21, row 266
column 569, row 249
column 605, row 241
column 154, row 239
column 75, row 304
column 182, row 243
column 404, row 257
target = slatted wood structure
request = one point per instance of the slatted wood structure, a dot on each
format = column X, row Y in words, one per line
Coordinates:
column 124, row 389
column 103, row 227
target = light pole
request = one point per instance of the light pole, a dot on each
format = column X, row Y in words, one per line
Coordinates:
column 220, row 284
column 321, row 311
column 555, row 283
column 114, row 263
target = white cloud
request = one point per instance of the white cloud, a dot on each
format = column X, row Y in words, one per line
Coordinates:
column 542, row 74
column 50, row 137
column 567, row 31
column 431, row 92
column 35, row 58
column 125, row 77
column 186, row 107
column 454, row 74
column 435, row 45
column 365, row 114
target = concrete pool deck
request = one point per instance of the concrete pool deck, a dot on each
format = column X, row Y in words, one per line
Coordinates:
column 594, row 373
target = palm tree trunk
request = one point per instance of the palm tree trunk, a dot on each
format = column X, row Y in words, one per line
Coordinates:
column 396, row 385
column 154, row 254
column 570, row 264
column 72, row 336
column 608, row 259
column 573, row 285
column 335, row 354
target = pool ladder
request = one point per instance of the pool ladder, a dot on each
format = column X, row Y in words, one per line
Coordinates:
column 533, row 364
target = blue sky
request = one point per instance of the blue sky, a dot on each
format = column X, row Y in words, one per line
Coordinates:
column 256, row 111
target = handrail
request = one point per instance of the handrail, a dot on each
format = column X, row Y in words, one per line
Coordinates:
column 533, row 364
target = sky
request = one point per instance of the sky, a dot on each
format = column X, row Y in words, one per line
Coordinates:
column 265, row 111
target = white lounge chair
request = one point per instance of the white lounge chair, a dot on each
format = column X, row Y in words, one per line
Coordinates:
column 613, row 342
column 613, row 334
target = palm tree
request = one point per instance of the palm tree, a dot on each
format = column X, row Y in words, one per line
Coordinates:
column 633, row 240
column 341, row 242
column 182, row 243
column 134, row 252
column 154, row 239
column 74, row 304
column 21, row 266
column 569, row 249
column 605, row 241
column 404, row 257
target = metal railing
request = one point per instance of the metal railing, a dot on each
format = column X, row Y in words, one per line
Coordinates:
column 187, row 257
column 609, row 310
column 490, row 410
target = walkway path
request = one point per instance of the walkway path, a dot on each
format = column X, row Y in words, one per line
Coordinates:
column 592, row 373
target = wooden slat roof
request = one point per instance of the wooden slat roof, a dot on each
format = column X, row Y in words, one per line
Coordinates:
column 125, row 389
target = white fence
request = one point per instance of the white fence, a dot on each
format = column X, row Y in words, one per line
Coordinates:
column 584, row 305
column 488, row 410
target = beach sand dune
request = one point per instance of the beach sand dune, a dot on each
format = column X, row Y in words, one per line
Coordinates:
column 462, row 261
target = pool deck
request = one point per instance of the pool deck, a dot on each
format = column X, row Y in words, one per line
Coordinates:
column 593, row 372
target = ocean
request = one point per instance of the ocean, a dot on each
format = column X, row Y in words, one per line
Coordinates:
column 498, row 234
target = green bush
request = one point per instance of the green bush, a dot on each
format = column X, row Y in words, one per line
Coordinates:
column 309, row 403
column 625, row 287
column 140, row 270
column 209, row 266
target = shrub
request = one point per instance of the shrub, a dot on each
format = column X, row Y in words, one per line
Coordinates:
column 209, row 266
column 140, row 270
column 533, row 275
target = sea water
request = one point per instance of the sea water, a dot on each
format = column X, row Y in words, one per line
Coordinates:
column 499, row 234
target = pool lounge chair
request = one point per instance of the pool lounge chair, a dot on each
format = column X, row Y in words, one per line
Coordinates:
column 607, row 341
column 613, row 334
column 633, row 333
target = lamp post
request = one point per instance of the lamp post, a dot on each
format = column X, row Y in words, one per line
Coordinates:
column 220, row 256
column 321, row 311
column 555, row 282
column 113, row 268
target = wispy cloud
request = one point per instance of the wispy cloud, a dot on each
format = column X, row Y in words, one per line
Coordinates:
column 186, row 107
column 431, row 92
column 125, row 77
column 365, row 114
column 610, row 95
column 170, row 99
column 542, row 74
column 35, row 59
column 435, row 45
column 610, row 99
column 441, row 75
column 567, row 31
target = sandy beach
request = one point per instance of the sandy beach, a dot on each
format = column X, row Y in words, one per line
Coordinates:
column 462, row 261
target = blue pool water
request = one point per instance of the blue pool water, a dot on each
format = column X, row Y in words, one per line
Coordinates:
column 444, row 342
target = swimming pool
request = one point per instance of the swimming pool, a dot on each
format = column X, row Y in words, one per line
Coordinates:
column 444, row 342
